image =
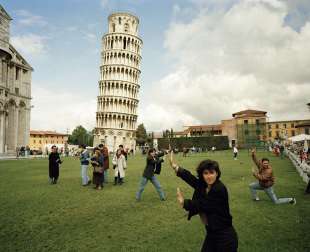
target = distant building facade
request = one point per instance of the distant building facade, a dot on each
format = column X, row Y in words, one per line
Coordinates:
column 250, row 127
column 247, row 128
column 40, row 139
column 303, row 127
column 203, row 130
column 15, row 92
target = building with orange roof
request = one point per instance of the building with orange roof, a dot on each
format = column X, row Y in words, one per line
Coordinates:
column 40, row 139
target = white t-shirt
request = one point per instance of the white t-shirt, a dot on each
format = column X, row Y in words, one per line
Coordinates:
column 235, row 150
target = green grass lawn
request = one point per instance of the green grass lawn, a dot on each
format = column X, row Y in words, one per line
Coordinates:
column 37, row 216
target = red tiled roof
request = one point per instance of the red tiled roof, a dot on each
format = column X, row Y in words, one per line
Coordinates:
column 46, row 132
column 179, row 133
column 305, row 123
column 204, row 127
column 249, row 112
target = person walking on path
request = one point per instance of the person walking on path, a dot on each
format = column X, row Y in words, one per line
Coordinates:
column 148, row 174
column 235, row 150
column 84, row 158
column 53, row 165
column 210, row 202
column 265, row 182
column 119, row 164
column 105, row 152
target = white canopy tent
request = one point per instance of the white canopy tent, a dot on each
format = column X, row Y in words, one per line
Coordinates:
column 300, row 138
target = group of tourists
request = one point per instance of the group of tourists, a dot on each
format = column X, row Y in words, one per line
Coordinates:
column 100, row 163
column 210, row 197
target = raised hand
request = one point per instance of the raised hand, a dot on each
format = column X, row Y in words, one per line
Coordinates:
column 172, row 161
column 253, row 150
column 180, row 197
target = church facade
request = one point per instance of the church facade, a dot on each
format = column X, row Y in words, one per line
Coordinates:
column 15, row 92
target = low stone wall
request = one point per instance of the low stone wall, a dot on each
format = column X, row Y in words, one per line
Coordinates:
column 302, row 168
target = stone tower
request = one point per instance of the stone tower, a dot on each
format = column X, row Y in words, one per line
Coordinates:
column 117, row 103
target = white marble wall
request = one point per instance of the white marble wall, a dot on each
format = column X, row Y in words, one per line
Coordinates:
column 119, row 83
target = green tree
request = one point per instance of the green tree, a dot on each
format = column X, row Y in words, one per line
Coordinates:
column 141, row 135
column 81, row 136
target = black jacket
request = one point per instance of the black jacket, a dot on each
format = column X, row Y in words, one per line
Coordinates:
column 214, row 204
column 151, row 164
column 54, row 160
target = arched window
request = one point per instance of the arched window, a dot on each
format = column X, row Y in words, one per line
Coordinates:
column 113, row 27
column 126, row 27
column 119, row 20
column 124, row 43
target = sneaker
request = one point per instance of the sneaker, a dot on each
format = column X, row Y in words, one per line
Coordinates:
column 293, row 201
column 256, row 199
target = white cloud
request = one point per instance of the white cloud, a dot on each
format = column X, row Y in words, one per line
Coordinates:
column 226, row 61
column 61, row 110
column 30, row 44
column 26, row 18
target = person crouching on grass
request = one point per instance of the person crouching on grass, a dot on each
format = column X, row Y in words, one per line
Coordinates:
column 210, row 201
column 151, row 161
column 119, row 165
column 265, row 181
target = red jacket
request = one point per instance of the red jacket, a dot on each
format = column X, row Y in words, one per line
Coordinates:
column 105, row 153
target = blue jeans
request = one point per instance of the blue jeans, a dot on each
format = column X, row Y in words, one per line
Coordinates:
column 84, row 175
column 105, row 176
column 269, row 191
column 155, row 183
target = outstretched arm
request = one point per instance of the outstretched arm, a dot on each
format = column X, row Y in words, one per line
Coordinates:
column 183, row 173
column 254, row 157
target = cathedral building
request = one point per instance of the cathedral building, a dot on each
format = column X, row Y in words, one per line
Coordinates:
column 117, row 102
column 15, row 92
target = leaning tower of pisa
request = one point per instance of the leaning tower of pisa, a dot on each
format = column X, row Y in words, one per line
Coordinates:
column 117, row 103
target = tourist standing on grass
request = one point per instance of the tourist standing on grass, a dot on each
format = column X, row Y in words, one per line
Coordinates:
column 210, row 201
column 105, row 152
column 235, row 150
column 53, row 165
column 119, row 166
column 265, row 178
column 124, row 152
column 97, row 162
column 84, row 158
column 148, row 174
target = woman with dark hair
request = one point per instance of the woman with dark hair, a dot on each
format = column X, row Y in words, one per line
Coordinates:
column 97, row 163
column 119, row 163
column 152, row 161
column 210, row 201
column 53, row 165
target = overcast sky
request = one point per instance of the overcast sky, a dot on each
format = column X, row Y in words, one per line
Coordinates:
column 202, row 60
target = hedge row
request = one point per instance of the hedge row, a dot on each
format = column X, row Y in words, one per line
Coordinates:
column 220, row 142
